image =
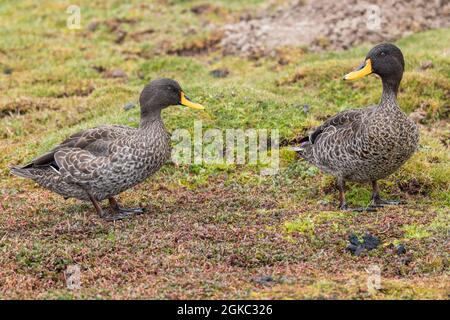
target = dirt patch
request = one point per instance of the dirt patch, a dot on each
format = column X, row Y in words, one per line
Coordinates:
column 207, row 8
column 333, row 25
column 81, row 91
column 414, row 187
column 199, row 46
column 114, row 26
column 23, row 106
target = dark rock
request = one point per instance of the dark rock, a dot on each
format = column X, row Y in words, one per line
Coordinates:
column 201, row 9
column 138, row 35
column 356, row 247
column 120, row 36
column 7, row 70
column 370, row 242
column 264, row 280
column 405, row 260
column 92, row 26
column 220, row 73
column 353, row 239
column 129, row 106
column 116, row 73
column 359, row 250
column 99, row 69
column 401, row 249
column 352, row 248
column 306, row 108
column 427, row 64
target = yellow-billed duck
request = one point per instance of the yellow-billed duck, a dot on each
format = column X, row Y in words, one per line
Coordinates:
column 368, row 144
column 101, row 162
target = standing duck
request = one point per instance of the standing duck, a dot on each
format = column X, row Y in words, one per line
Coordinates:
column 368, row 144
column 101, row 162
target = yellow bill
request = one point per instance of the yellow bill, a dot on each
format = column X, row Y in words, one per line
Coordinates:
column 185, row 101
column 364, row 70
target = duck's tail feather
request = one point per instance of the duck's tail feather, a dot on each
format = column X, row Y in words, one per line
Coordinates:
column 21, row 172
column 302, row 148
column 296, row 149
column 305, row 139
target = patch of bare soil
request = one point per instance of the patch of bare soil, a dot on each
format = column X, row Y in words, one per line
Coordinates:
column 333, row 25
column 23, row 106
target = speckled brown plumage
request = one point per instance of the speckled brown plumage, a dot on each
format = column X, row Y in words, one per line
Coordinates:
column 365, row 145
column 101, row 162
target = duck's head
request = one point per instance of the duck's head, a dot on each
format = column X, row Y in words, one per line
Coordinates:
column 162, row 93
column 385, row 60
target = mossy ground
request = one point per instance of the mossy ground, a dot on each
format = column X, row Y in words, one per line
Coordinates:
column 211, row 231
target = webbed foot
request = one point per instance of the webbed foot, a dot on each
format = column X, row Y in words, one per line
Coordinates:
column 358, row 209
column 379, row 202
column 121, row 213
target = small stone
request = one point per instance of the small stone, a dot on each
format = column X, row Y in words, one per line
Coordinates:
column 220, row 73
column 405, row 260
column 129, row 106
column 306, row 108
column 99, row 68
column 92, row 26
column 7, row 70
column 401, row 249
column 353, row 239
column 264, row 280
column 352, row 248
column 427, row 64
column 371, row 242
column 121, row 34
column 418, row 116
column 116, row 73
column 359, row 250
column 355, row 249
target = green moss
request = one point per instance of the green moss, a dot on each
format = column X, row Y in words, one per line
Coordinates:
column 303, row 225
column 416, row 232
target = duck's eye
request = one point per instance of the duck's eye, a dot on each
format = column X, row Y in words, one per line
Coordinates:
column 383, row 53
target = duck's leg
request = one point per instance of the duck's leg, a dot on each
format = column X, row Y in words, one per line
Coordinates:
column 343, row 204
column 97, row 206
column 341, row 188
column 115, row 212
column 119, row 213
column 377, row 201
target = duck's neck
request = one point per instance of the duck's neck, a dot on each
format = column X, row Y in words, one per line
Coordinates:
column 150, row 119
column 389, row 95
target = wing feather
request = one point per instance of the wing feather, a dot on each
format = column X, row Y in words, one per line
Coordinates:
column 80, row 166
column 96, row 141
column 349, row 121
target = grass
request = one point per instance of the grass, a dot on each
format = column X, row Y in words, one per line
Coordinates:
column 210, row 230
